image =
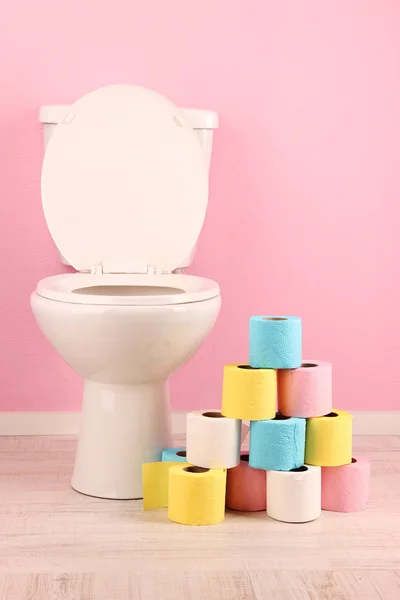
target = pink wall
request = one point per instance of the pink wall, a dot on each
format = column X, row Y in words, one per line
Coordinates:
column 305, row 188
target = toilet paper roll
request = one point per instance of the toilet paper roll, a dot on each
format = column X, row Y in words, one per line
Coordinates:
column 275, row 342
column 329, row 439
column 346, row 488
column 196, row 495
column 249, row 393
column 294, row 496
column 212, row 440
column 277, row 444
column 155, row 483
column 174, row 454
column 246, row 487
column 306, row 391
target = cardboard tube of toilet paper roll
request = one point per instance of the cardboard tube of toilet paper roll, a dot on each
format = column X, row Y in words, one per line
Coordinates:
column 307, row 391
column 277, row 444
column 196, row 495
column 329, row 439
column 249, row 393
column 294, row 496
column 275, row 342
column 346, row 488
column 246, row 487
column 212, row 440
column 174, row 454
column 155, row 483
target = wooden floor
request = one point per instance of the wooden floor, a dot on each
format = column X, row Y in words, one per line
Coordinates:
column 57, row 544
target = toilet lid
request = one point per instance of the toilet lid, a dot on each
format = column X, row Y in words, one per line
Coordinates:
column 124, row 182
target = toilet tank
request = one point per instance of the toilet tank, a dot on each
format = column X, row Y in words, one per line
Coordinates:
column 202, row 121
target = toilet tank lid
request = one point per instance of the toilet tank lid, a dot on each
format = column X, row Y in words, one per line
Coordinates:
column 197, row 118
column 124, row 184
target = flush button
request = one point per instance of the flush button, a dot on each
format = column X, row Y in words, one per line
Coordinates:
column 68, row 118
column 180, row 121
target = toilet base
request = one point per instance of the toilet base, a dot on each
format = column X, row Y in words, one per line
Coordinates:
column 122, row 426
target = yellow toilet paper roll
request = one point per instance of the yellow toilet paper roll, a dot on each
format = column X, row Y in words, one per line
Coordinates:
column 196, row 496
column 155, row 483
column 249, row 393
column 329, row 439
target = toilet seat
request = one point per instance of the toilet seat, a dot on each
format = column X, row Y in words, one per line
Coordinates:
column 124, row 193
column 134, row 290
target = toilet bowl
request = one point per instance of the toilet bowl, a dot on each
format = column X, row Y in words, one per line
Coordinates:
column 124, row 191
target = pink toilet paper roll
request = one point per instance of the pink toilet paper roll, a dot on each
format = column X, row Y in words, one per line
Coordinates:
column 246, row 488
column 345, row 489
column 307, row 391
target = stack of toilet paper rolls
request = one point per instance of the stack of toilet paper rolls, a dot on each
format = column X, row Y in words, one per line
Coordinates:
column 191, row 481
column 300, row 458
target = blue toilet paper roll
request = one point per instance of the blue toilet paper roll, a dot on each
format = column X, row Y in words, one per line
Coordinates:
column 275, row 342
column 277, row 444
column 174, row 454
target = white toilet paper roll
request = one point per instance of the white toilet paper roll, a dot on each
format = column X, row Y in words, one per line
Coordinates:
column 212, row 440
column 294, row 496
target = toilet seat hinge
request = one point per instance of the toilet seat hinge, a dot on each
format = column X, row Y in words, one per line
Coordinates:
column 132, row 267
column 96, row 270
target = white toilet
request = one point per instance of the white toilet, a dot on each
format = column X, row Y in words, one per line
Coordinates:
column 125, row 192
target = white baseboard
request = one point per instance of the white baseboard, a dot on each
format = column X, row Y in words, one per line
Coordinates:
column 67, row 423
column 59, row 423
column 375, row 422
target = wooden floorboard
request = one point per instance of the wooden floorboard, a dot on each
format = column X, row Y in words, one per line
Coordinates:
column 57, row 544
